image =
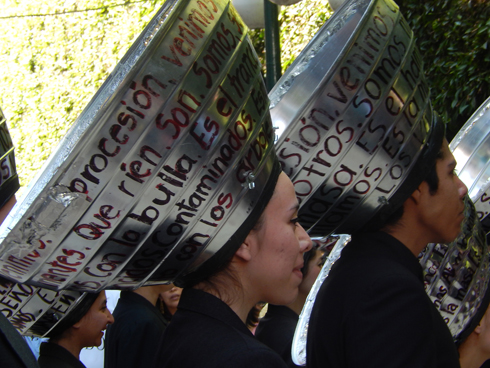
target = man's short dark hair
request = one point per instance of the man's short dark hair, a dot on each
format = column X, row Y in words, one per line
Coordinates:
column 432, row 180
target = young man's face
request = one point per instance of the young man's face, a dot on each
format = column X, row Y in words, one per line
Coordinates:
column 442, row 212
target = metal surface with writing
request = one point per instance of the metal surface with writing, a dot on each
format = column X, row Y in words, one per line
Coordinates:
column 456, row 275
column 298, row 347
column 156, row 165
column 353, row 114
column 34, row 311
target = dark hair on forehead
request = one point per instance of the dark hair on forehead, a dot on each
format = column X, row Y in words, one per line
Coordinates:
column 432, row 180
column 73, row 316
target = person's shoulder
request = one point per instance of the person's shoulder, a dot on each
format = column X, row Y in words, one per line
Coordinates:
column 362, row 264
column 257, row 356
column 53, row 355
column 137, row 321
column 211, row 332
column 220, row 345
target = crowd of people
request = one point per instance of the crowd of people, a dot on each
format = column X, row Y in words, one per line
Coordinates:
column 372, row 310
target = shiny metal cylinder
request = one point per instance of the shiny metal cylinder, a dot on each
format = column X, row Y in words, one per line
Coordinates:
column 35, row 311
column 471, row 150
column 161, row 168
column 456, row 275
column 352, row 115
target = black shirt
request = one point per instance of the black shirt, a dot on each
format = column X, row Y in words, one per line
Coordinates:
column 372, row 311
column 131, row 341
column 55, row 356
column 14, row 351
column 205, row 332
column 276, row 330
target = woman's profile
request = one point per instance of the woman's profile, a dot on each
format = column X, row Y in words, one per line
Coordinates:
column 209, row 328
column 82, row 327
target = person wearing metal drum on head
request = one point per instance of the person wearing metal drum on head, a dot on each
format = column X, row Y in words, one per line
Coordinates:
column 208, row 329
column 82, row 327
column 372, row 309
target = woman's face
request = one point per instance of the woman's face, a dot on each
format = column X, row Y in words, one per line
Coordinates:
column 92, row 325
column 315, row 265
column 277, row 247
column 171, row 298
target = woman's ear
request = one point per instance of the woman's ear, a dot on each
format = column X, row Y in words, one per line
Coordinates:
column 417, row 194
column 478, row 329
column 78, row 324
column 246, row 248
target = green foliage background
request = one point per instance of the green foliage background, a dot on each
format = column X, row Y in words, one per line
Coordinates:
column 454, row 38
column 55, row 55
column 52, row 65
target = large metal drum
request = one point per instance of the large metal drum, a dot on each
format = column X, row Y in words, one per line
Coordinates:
column 353, row 116
column 160, row 170
column 456, row 275
column 35, row 311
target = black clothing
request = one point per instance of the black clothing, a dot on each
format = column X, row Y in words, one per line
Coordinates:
column 276, row 330
column 205, row 332
column 14, row 351
column 132, row 339
column 373, row 311
column 52, row 355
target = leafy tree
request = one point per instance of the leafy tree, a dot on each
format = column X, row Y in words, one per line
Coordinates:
column 453, row 37
column 55, row 55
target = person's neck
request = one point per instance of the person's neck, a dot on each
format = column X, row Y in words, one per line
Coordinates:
column 469, row 353
column 241, row 308
column 297, row 305
column 232, row 296
column 149, row 293
column 71, row 346
column 410, row 236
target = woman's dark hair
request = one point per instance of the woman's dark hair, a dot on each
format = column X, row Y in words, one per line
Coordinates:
column 253, row 316
column 73, row 316
column 432, row 180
